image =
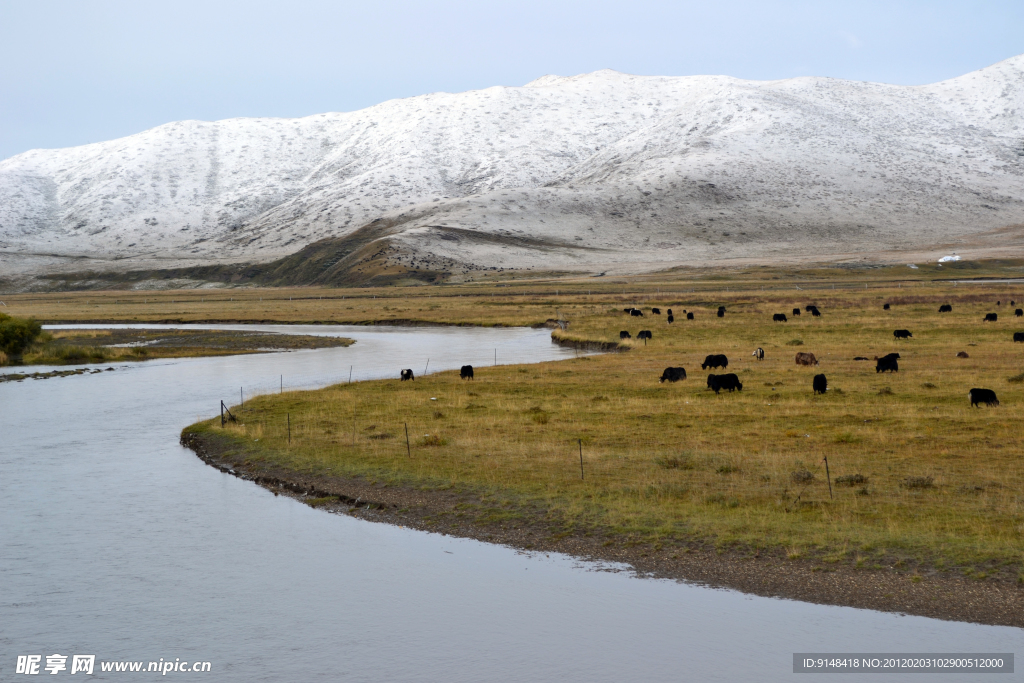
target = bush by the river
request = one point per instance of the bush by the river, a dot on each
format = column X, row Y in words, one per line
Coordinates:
column 16, row 335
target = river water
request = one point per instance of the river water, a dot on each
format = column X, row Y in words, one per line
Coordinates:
column 116, row 541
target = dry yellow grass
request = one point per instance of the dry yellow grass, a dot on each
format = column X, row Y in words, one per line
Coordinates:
column 666, row 462
column 916, row 472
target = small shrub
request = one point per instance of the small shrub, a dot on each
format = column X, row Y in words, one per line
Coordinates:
column 918, row 483
column 801, row 477
column 432, row 440
column 885, row 391
column 17, row 334
column 1016, row 379
column 538, row 415
column 598, row 399
column 795, row 342
column 438, row 414
column 846, row 437
column 727, row 468
column 3, row 359
column 851, row 480
column 929, row 385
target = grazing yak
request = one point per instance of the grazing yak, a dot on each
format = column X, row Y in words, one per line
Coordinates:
column 656, row 311
column 624, row 334
column 780, row 318
column 963, row 354
column 1018, row 336
column 820, row 384
column 758, row 353
column 1019, row 312
column 991, row 318
column 729, row 382
column 885, row 307
column 645, row 335
column 671, row 318
column 627, row 310
column 715, row 360
column 945, row 308
column 669, row 311
column 689, row 316
column 887, row 363
column 466, row 372
column 721, row 311
column 636, row 313
column 806, row 359
column 673, row 375
column 815, row 312
column 796, row 311
column 986, row 396
column 902, row 334
column 407, row 374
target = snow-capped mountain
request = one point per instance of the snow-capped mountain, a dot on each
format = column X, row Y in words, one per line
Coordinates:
column 598, row 171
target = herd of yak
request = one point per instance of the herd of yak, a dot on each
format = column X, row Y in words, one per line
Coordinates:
column 730, row 382
column 819, row 385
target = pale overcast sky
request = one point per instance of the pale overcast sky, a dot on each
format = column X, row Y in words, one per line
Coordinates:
column 76, row 71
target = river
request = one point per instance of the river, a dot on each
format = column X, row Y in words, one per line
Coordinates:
column 116, row 541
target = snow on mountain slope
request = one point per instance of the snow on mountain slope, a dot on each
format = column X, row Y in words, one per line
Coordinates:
column 602, row 170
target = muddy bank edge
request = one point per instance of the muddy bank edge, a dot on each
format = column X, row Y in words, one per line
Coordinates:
column 462, row 513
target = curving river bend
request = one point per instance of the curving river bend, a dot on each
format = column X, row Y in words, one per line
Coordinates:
column 118, row 542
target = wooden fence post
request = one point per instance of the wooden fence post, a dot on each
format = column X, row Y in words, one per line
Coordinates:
column 581, row 458
column 829, row 477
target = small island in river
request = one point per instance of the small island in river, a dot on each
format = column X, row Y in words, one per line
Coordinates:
column 69, row 347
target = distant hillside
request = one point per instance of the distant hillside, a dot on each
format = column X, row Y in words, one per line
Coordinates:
column 599, row 172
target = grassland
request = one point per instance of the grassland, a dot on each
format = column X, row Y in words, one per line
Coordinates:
column 922, row 484
column 934, row 481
